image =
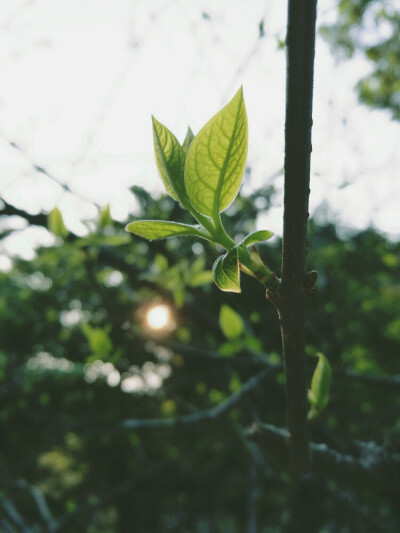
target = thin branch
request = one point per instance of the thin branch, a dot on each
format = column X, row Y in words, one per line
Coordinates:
column 15, row 516
column 245, row 358
column 373, row 467
column 41, row 504
column 252, row 359
column 291, row 304
column 8, row 528
column 43, row 170
column 209, row 415
column 370, row 379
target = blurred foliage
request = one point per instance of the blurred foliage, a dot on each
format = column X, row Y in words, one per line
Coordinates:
column 77, row 359
column 371, row 28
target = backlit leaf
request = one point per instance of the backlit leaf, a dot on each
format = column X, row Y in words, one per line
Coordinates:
column 226, row 272
column 257, row 236
column 170, row 159
column 216, row 159
column 160, row 229
column 188, row 140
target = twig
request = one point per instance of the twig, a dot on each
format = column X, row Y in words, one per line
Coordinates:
column 245, row 358
column 7, row 526
column 14, row 515
column 41, row 504
column 43, row 170
column 374, row 467
column 291, row 307
column 262, row 360
column 208, row 415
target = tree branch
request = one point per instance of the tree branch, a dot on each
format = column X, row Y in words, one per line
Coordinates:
column 208, row 415
column 251, row 359
column 291, row 305
column 15, row 516
column 41, row 504
column 42, row 170
column 373, row 467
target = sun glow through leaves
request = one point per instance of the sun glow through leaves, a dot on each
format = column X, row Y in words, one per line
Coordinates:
column 159, row 317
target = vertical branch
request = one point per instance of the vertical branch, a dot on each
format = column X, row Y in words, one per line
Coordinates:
column 299, row 92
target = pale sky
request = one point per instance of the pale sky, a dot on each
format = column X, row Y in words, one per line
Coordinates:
column 81, row 78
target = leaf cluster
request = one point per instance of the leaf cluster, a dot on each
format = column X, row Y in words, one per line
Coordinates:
column 204, row 174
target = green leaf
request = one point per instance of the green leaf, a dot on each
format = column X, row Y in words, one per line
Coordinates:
column 161, row 263
column 179, row 296
column 98, row 339
column 102, row 240
column 230, row 322
column 230, row 347
column 105, row 217
column 257, row 236
column 253, row 343
column 56, row 224
column 216, row 159
column 170, row 159
column 188, row 140
column 200, row 278
column 318, row 395
column 226, row 272
column 160, row 229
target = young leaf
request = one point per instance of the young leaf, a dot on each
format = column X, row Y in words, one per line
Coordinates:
column 56, row 223
column 188, row 140
column 216, row 159
column 318, row 395
column 161, row 229
column 253, row 265
column 170, row 159
column 230, row 322
column 105, row 217
column 226, row 272
column 257, row 236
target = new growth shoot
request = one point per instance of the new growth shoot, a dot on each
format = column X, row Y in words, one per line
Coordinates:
column 204, row 175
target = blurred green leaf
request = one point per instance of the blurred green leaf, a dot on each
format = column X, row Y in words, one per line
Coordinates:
column 230, row 322
column 201, row 278
column 98, row 339
column 318, row 395
column 56, row 223
column 105, row 217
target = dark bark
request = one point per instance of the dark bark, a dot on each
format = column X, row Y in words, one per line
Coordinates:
column 299, row 92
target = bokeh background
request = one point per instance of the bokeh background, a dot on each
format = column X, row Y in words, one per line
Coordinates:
column 97, row 327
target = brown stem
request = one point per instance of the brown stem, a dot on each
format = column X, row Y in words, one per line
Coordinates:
column 299, row 91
